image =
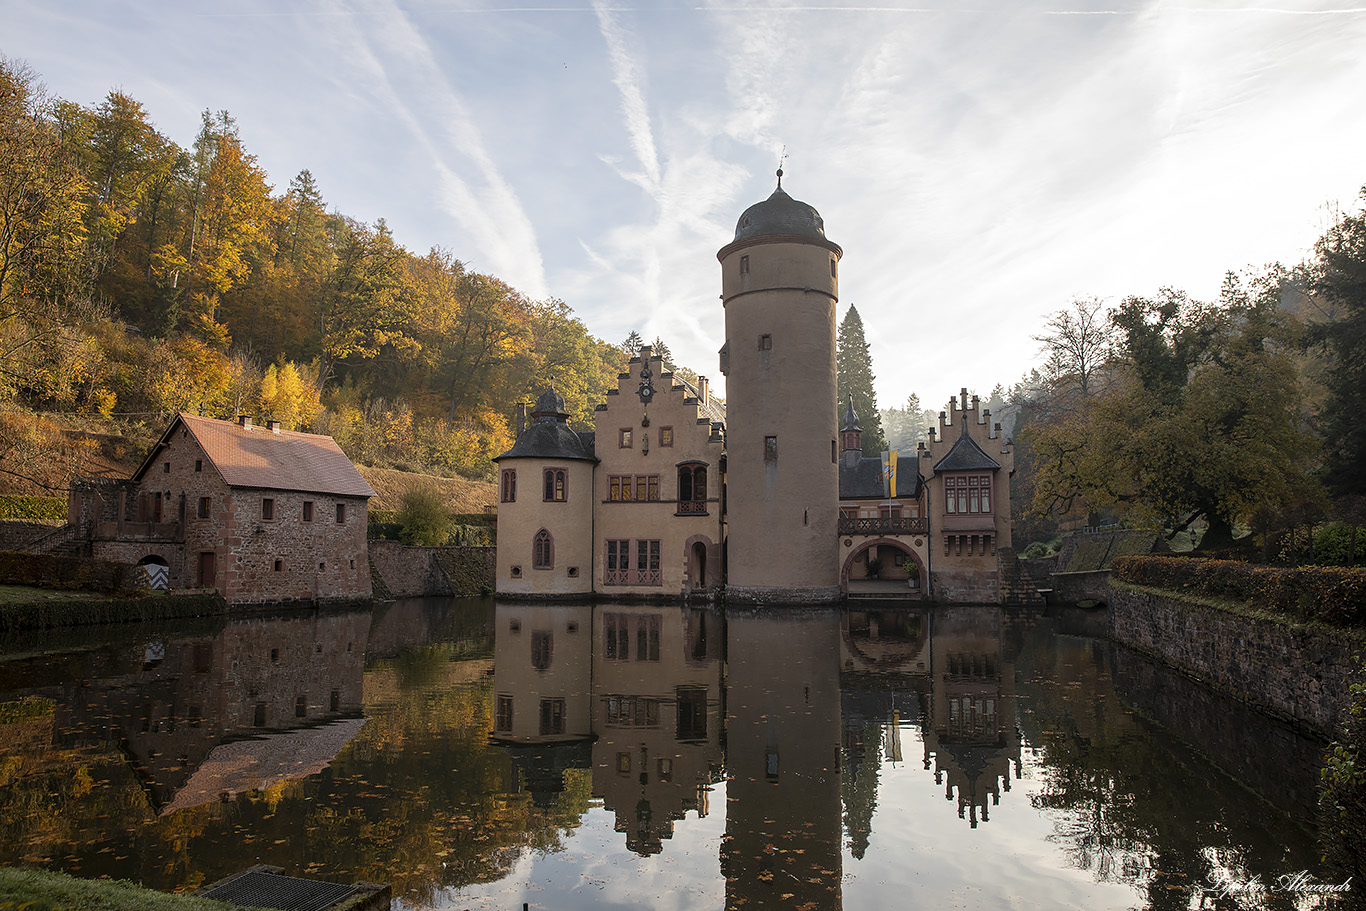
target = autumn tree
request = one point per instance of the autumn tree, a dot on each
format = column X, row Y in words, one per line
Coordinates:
column 1203, row 421
column 363, row 305
column 288, row 396
column 854, row 376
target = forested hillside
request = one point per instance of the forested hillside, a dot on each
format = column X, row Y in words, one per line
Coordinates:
column 140, row 277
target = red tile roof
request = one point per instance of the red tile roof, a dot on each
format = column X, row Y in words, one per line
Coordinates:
column 260, row 457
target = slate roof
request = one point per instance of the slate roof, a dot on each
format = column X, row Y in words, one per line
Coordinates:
column 261, row 458
column 864, row 480
column 966, row 455
column 713, row 410
column 780, row 214
column 550, row 438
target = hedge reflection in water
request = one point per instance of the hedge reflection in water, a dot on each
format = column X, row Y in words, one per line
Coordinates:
column 569, row 755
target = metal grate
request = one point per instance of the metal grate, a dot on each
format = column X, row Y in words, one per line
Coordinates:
column 284, row 893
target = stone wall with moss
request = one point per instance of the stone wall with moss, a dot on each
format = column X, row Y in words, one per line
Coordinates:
column 437, row 571
column 1298, row 671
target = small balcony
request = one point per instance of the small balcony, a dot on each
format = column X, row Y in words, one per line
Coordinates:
column 893, row 525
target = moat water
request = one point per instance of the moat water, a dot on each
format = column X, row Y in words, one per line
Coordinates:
column 480, row 755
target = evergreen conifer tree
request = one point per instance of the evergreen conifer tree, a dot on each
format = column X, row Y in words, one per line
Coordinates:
column 854, row 376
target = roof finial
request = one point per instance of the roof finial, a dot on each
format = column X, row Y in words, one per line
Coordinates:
column 781, row 159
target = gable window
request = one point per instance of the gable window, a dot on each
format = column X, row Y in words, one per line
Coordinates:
column 543, row 550
column 198, row 464
column 165, row 467
column 341, row 513
column 556, row 481
column 624, row 438
column 203, row 510
column 308, row 510
column 509, row 488
column 267, row 508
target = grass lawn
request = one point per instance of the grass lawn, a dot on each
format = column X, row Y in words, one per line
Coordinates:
column 27, row 594
column 38, row 890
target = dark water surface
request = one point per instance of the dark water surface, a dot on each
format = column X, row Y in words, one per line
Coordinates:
column 477, row 755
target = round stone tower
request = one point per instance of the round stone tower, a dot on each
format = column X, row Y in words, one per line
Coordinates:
column 779, row 285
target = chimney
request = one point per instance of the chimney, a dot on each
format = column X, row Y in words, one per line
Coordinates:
column 702, row 389
column 273, row 426
column 521, row 417
column 244, row 421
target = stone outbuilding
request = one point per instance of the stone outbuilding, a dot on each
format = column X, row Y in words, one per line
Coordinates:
column 260, row 514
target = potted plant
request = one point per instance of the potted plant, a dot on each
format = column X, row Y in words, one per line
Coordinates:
column 874, row 567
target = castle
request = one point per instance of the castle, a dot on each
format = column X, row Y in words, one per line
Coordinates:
column 767, row 498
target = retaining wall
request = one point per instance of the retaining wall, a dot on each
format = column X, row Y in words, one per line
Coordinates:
column 1298, row 673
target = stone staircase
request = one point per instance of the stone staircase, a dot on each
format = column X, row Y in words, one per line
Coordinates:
column 62, row 541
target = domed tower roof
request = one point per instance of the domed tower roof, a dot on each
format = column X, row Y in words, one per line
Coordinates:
column 549, row 435
column 550, row 405
column 780, row 214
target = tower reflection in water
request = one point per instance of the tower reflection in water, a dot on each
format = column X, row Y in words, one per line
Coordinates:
column 795, row 709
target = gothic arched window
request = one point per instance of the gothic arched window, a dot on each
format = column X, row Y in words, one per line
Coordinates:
column 543, row 550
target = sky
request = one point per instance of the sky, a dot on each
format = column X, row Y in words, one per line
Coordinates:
column 982, row 163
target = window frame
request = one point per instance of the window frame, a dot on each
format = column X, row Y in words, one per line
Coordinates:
column 543, row 550
column 555, row 485
column 508, row 486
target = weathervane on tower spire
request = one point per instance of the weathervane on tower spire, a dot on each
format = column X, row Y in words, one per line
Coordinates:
column 781, row 159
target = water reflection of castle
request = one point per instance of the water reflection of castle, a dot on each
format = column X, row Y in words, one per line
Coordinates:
column 799, row 708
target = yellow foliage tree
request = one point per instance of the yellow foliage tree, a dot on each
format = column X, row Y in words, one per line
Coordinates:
column 287, row 397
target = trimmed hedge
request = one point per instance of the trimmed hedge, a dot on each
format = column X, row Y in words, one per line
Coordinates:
column 72, row 573
column 1329, row 594
column 37, row 615
column 48, row 510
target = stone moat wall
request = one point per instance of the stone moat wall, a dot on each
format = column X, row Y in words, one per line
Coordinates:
column 1299, row 673
column 417, row 571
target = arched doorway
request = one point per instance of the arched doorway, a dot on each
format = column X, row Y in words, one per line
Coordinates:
column 158, row 572
column 698, row 565
column 883, row 567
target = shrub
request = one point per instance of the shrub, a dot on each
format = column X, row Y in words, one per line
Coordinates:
column 1332, row 542
column 1342, row 793
column 1330, row 594
column 424, row 517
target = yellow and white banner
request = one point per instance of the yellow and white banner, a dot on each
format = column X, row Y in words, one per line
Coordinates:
column 889, row 473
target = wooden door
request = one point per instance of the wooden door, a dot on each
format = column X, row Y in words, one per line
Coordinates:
column 207, row 569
